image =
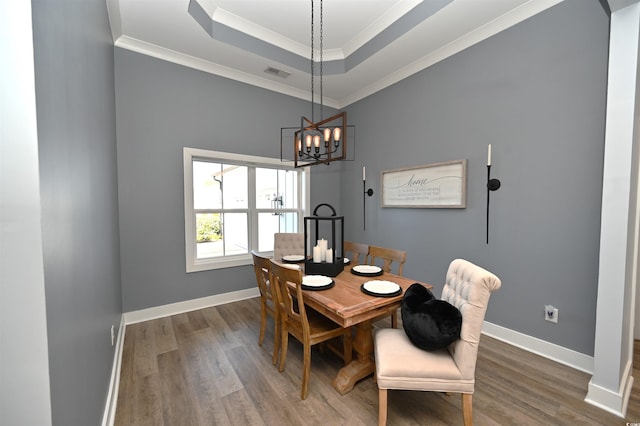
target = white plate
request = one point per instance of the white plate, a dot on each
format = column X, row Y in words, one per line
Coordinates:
column 291, row 266
column 367, row 269
column 381, row 287
column 316, row 280
column 293, row 258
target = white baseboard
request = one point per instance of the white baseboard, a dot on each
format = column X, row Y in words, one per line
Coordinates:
column 189, row 305
column 109, row 415
column 540, row 347
column 613, row 402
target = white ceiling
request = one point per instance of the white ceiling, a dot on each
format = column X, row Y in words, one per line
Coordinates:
column 367, row 44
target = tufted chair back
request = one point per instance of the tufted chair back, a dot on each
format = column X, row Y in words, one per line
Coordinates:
column 287, row 243
column 468, row 288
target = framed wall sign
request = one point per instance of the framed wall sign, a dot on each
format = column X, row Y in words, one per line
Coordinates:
column 436, row 185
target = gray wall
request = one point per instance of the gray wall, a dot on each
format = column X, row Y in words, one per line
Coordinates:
column 75, row 100
column 161, row 108
column 537, row 93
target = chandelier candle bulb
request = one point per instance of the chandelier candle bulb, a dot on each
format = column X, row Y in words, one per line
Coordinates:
column 337, row 132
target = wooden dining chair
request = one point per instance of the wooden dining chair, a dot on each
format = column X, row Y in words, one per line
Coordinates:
column 356, row 252
column 268, row 301
column 306, row 325
column 402, row 365
column 386, row 258
column 287, row 243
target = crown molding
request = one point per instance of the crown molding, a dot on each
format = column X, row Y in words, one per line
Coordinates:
column 505, row 21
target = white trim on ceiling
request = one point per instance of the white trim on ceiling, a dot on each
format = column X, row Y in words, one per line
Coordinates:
column 211, row 68
column 499, row 24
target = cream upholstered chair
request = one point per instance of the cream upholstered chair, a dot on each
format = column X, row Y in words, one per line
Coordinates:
column 388, row 257
column 356, row 252
column 306, row 325
column 401, row 365
column 287, row 243
column 268, row 301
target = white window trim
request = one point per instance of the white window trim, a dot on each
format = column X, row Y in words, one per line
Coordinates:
column 188, row 154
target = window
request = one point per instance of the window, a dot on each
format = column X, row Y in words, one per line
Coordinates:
column 235, row 203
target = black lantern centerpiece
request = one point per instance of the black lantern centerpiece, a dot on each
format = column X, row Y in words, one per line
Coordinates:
column 326, row 256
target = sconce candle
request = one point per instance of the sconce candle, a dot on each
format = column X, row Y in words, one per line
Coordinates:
column 364, row 174
column 489, row 155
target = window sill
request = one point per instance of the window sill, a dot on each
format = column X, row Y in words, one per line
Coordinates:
column 211, row 264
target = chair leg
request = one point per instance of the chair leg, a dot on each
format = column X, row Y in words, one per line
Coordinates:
column 306, row 371
column 382, row 407
column 394, row 319
column 284, row 342
column 276, row 339
column 467, row 414
column 263, row 323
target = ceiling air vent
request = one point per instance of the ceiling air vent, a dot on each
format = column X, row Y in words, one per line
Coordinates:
column 277, row 72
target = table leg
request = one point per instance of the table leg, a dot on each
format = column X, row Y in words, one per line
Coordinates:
column 363, row 364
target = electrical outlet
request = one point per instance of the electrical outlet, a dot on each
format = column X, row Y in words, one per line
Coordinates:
column 550, row 313
column 113, row 335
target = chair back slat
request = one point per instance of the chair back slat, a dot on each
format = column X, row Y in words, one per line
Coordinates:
column 261, row 267
column 291, row 299
column 388, row 257
column 356, row 252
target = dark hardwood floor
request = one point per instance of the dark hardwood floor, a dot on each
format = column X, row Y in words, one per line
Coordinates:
column 205, row 368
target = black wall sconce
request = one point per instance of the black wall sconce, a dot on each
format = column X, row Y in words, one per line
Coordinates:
column 492, row 185
column 368, row 192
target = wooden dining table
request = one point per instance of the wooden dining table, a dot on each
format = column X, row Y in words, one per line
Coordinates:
column 346, row 304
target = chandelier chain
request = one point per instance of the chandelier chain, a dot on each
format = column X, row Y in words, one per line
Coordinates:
column 313, row 118
column 321, row 62
column 307, row 139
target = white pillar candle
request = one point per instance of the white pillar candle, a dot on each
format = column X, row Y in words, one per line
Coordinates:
column 329, row 255
column 364, row 174
column 317, row 257
column 489, row 155
column 322, row 243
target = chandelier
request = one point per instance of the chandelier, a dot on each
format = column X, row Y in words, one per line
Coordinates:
column 322, row 141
